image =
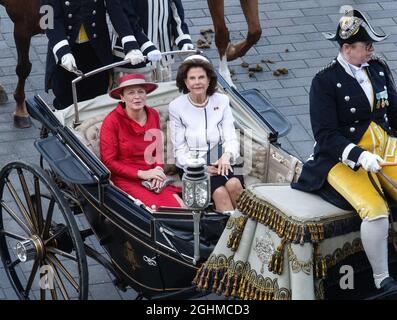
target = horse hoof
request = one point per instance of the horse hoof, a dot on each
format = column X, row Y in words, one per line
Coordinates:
column 22, row 122
column 3, row 97
column 231, row 52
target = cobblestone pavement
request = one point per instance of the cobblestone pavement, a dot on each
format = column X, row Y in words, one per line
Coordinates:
column 291, row 38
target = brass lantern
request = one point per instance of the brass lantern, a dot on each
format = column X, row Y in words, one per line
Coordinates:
column 196, row 184
column 196, row 195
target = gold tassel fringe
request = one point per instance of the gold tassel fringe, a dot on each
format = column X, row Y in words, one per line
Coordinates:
column 237, row 232
column 236, row 279
column 285, row 227
column 276, row 261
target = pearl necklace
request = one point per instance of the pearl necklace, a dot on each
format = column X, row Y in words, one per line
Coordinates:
column 200, row 105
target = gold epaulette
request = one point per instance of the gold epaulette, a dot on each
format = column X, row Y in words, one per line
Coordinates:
column 383, row 62
column 379, row 59
column 328, row 66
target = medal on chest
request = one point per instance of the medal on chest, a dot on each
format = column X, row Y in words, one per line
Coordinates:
column 382, row 99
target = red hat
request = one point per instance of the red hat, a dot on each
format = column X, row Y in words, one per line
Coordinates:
column 133, row 79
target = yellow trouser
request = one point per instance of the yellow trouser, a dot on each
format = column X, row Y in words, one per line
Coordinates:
column 82, row 37
column 356, row 187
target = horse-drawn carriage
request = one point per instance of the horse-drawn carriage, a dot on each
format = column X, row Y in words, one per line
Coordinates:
column 159, row 251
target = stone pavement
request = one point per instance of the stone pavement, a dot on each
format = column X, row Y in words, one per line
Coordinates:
column 291, row 38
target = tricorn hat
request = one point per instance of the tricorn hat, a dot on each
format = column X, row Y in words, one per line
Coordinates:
column 354, row 27
column 133, row 79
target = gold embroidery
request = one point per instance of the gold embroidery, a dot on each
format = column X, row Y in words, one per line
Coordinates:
column 298, row 266
column 264, row 247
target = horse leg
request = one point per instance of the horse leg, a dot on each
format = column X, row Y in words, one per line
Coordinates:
column 251, row 13
column 3, row 95
column 222, row 37
column 22, row 39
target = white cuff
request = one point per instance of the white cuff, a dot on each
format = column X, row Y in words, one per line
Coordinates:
column 345, row 154
column 182, row 37
column 127, row 39
column 146, row 45
column 58, row 46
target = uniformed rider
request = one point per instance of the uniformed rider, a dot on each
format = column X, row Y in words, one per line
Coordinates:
column 353, row 113
column 163, row 22
column 80, row 41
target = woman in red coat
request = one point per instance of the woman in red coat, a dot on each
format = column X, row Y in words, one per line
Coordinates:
column 131, row 144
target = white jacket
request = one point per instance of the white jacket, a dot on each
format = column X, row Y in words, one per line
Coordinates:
column 201, row 129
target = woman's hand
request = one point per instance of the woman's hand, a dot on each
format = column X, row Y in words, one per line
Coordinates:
column 212, row 171
column 156, row 173
column 223, row 164
column 157, row 183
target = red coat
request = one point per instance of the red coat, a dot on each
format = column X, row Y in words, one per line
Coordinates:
column 127, row 147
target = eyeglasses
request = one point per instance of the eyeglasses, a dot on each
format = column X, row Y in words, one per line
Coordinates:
column 369, row 45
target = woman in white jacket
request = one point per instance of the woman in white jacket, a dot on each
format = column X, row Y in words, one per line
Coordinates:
column 202, row 121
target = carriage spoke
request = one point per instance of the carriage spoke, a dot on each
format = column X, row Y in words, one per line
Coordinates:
column 31, row 277
column 65, row 272
column 55, row 235
column 39, row 209
column 37, row 227
column 16, row 218
column 54, row 294
column 12, row 235
column 13, row 264
column 42, row 294
column 61, row 253
column 19, row 203
column 42, row 291
column 50, row 211
column 58, row 280
column 28, row 198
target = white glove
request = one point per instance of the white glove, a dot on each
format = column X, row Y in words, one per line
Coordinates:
column 134, row 56
column 187, row 46
column 369, row 161
column 154, row 55
column 68, row 62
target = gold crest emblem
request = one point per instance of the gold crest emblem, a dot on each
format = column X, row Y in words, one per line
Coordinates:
column 349, row 26
column 129, row 255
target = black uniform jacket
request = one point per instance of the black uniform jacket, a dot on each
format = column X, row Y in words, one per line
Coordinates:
column 68, row 17
column 162, row 22
column 340, row 113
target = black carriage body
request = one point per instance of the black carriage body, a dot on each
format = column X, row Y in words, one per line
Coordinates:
column 138, row 249
column 151, row 252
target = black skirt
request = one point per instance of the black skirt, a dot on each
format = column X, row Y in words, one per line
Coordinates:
column 219, row 181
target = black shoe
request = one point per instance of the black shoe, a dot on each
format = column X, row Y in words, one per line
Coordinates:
column 388, row 285
column 388, row 289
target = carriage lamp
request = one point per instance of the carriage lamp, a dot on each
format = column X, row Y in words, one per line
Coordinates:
column 196, row 195
column 196, row 184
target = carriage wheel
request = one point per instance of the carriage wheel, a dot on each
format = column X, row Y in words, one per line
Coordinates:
column 40, row 243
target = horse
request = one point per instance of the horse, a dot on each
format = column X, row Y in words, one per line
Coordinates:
column 26, row 17
column 227, row 50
